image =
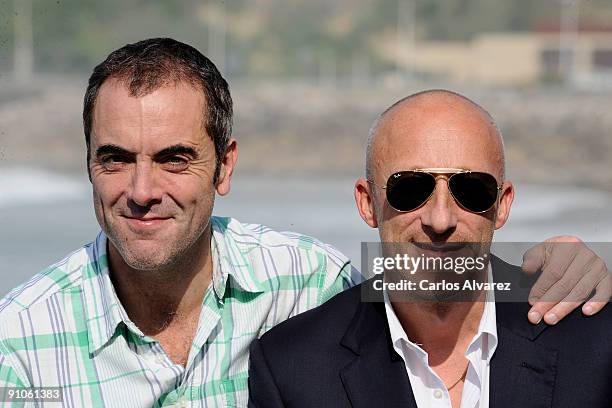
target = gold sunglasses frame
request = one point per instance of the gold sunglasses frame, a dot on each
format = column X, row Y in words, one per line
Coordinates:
column 436, row 173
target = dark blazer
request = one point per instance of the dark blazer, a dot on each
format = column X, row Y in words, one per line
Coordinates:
column 340, row 355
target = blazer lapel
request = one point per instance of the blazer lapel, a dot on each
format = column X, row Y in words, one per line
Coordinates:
column 377, row 375
column 522, row 371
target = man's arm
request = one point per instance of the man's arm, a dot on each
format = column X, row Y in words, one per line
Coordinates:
column 263, row 392
column 571, row 271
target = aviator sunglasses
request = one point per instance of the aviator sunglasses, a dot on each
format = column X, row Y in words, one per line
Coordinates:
column 473, row 191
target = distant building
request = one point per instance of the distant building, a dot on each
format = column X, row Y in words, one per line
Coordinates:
column 581, row 57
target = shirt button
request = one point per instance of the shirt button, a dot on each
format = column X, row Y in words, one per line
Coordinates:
column 159, row 359
column 437, row 394
column 182, row 402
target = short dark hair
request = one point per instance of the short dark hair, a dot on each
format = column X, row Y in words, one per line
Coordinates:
column 147, row 65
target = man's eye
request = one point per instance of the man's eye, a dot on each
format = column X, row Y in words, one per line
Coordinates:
column 113, row 159
column 111, row 163
column 175, row 163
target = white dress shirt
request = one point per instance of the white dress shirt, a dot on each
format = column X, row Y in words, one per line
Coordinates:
column 428, row 389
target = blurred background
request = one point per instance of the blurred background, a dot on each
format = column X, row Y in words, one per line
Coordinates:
column 308, row 78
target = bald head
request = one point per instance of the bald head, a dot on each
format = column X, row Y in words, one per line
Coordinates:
column 444, row 123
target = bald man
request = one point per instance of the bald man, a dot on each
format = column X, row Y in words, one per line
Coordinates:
column 435, row 183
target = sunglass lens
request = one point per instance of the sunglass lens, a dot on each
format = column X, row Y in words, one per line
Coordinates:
column 475, row 191
column 408, row 190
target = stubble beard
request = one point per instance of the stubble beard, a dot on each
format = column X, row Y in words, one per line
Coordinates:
column 171, row 255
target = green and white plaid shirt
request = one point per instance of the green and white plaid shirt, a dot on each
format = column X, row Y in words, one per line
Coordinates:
column 66, row 327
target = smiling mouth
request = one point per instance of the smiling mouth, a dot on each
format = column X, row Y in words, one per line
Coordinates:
column 440, row 246
column 146, row 222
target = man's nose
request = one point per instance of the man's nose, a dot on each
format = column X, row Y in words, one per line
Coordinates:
column 144, row 189
column 439, row 213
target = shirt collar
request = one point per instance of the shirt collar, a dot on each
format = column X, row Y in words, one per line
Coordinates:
column 397, row 332
column 488, row 326
column 231, row 256
column 102, row 309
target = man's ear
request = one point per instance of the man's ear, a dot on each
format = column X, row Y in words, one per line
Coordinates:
column 227, row 167
column 365, row 202
column 506, row 196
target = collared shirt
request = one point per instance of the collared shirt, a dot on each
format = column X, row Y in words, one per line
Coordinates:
column 66, row 327
column 428, row 389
